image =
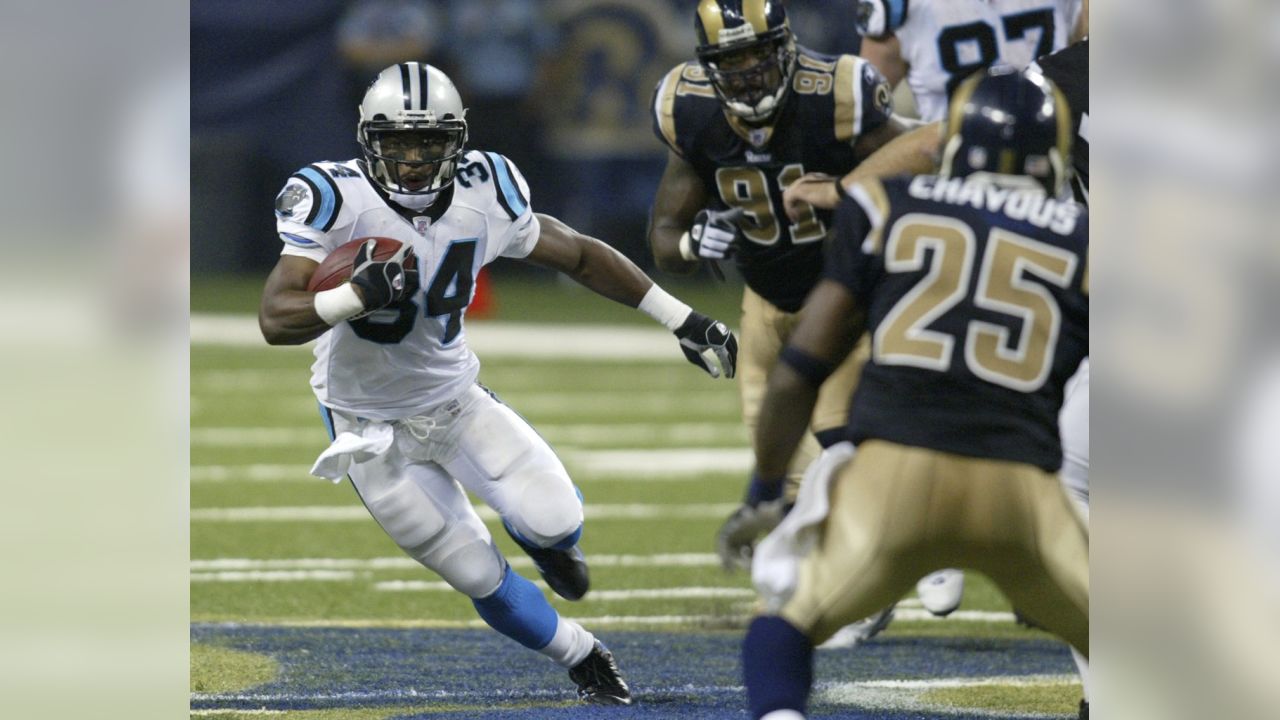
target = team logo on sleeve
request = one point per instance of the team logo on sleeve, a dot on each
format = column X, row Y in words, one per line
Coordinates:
column 884, row 98
column 289, row 198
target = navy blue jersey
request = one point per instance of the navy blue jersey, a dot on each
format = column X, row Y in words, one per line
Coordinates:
column 978, row 310
column 833, row 101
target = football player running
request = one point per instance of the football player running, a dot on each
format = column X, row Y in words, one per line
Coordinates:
column 973, row 284
column 752, row 114
column 396, row 382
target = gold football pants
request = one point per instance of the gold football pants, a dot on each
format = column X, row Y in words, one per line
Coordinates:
column 764, row 332
column 898, row 513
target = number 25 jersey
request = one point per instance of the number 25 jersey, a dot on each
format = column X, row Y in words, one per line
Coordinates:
column 832, row 102
column 977, row 304
column 411, row 357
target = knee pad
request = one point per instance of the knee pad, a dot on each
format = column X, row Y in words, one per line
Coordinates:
column 547, row 509
column 407, row 514
column 473, row 568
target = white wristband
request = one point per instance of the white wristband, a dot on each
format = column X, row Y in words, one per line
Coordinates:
column 341, row 303
column 686, row 248
column 663, row 307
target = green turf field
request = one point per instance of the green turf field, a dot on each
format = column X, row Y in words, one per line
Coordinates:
column 272, row 545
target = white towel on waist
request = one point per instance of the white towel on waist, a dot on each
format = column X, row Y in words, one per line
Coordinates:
column 370, row 440
column 776, row 563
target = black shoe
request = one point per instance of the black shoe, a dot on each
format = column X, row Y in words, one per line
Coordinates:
column 565, row 571
column 1084, row 710
column 598, row 678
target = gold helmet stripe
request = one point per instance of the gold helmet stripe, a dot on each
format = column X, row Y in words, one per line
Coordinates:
column 1064, row 120
column 712, row 19
column 961, row 98
column 753, row 11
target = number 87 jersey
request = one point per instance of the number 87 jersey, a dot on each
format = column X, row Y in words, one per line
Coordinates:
column 945, row 41
column 411, row 357
column 832, row 101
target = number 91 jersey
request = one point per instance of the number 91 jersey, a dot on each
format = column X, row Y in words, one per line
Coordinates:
column 945, row 41
column 832, row 102
column 411, row 357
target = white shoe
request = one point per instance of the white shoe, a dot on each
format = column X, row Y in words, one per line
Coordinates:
column 865, row 629
column 940, row 592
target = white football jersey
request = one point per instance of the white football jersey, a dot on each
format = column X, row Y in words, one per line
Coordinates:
column 943, row 41
column 409, row 358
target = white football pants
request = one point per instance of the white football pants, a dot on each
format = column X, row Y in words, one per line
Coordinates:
column 415, row 489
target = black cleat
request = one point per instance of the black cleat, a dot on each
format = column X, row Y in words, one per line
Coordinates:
column 1084, row 710
column 599, row 680
column 565, row 571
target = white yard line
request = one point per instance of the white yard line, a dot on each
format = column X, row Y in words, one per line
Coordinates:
column 670, row 464
column 492, row 339
column 274, row 576
column 406, row 563
column 352, row 513
column 682, row 593
column 614, row 435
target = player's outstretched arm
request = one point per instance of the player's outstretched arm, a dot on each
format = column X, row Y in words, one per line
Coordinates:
column 679, row 198
column 706, row 343
column 910, row 153
column 829, row 326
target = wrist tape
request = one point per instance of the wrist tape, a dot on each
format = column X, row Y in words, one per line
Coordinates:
column 339, row 304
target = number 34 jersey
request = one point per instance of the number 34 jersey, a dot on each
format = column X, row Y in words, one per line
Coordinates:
column 977, row 304
column 408, row 358
column 832, row 102
column 944, row 41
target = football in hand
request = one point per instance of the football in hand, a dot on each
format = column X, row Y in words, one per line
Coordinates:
column 336, row 268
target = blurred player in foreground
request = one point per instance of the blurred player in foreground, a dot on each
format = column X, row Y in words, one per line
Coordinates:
column 396, row 381
column 973, row 284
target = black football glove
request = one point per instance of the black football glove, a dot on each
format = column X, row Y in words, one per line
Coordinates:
column 709, row 345
column 761, row 511
column 383, row 282
column 713, row 236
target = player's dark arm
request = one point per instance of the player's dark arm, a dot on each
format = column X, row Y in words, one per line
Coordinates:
column 680, row 196
column 287, row 314
column 830, row 323
column 704, row 341
column 589, row 261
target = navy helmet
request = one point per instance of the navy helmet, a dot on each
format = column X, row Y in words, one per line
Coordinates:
column 1008, row 122
column 749, row 53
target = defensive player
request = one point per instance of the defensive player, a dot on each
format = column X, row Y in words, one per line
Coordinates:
column 936, row 44
column 755, row 112
column 973, row 284
column 396, row 381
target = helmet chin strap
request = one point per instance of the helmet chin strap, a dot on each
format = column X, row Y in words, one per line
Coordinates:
column 416, row 202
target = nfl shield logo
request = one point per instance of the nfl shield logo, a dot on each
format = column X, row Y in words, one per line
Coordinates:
column 757, row 136
column 421, row 223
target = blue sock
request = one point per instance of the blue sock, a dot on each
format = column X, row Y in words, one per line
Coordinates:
column 777, row 666
column 519, row 610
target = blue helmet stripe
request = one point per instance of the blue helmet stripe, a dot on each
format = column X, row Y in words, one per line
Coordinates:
column 507, row 184
column 328, row 198
column 897, row 13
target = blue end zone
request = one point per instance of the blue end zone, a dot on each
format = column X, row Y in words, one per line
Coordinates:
column 688, row 675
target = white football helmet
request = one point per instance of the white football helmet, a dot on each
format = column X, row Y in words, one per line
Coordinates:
column 412, row 129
